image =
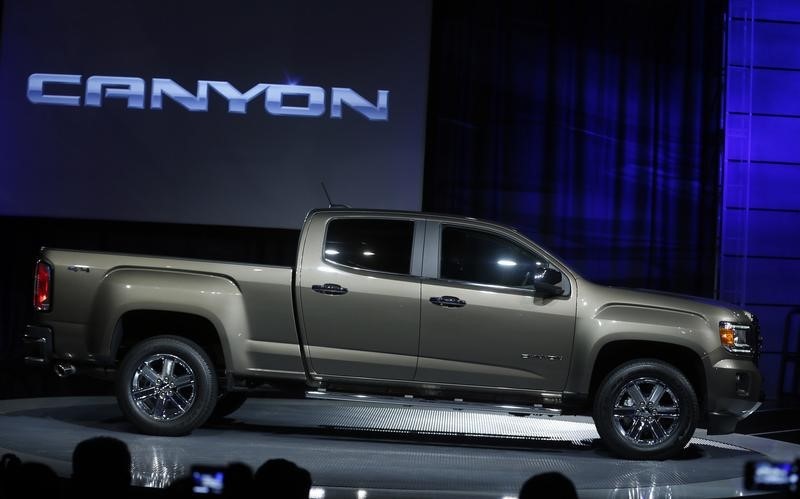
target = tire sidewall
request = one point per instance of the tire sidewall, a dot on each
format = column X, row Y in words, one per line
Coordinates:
column 205, row 385
column 677, row 383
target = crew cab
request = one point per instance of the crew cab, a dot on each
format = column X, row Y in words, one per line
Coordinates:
column 399, row 304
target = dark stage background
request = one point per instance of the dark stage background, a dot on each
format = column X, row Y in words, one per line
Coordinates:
column 593, row 127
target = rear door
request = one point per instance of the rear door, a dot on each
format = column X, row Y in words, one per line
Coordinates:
column 481, row 323
column 359, row 296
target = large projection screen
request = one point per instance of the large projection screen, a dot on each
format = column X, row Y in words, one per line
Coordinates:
column 211, row 113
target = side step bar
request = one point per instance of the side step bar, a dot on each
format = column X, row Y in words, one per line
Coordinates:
column 453, row 404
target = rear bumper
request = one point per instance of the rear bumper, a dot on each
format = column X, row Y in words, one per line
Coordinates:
column 38, row 344
column 734, row 392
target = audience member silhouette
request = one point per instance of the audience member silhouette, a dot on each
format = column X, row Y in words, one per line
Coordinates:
column 31, row 480
column 238, row 481
column 180, row 488
column 548, row 485
column 282, row 479
column 9, row 466
column 101, row 468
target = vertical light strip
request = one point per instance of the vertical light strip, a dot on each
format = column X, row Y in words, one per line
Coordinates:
column 750, row 23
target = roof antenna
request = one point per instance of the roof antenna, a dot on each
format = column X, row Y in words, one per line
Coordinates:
column 331, row 204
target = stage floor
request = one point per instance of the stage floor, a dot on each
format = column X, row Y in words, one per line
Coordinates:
column 388, row 450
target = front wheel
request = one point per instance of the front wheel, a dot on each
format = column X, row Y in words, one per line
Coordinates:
column 166, row 386
column 646, row 409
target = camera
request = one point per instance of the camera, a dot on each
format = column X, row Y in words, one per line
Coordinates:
column 208, row 479
column 772, row 475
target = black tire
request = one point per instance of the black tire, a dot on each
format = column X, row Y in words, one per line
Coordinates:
column 190, row 384
column 228, row 403
column 658, row 430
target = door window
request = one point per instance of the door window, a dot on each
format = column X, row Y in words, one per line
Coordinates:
column 371, row 244
column 484, row 258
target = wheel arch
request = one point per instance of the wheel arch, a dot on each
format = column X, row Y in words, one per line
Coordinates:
column 616, row 353
column 137, row 325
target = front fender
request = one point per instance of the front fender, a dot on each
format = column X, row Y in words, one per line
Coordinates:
column 620, row 322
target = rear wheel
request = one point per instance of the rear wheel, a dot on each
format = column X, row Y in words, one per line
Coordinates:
column 167, row 386
column 646, row 410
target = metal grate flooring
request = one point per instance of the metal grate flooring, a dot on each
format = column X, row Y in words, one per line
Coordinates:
column 400, row 448
column 414, row 420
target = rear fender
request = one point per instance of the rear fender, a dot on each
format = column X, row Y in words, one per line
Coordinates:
column 213, row 297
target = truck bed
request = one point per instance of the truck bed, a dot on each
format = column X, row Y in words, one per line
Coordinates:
column 250, row 305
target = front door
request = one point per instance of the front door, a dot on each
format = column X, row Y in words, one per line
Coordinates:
column 481, row 324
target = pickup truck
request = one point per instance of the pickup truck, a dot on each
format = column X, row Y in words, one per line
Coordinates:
column 399, row 305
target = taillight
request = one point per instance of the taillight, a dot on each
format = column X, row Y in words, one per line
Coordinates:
column 42, row 286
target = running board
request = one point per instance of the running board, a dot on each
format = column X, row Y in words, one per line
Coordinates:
column 454, row 404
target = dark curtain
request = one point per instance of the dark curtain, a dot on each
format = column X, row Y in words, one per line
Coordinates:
column 593, row 127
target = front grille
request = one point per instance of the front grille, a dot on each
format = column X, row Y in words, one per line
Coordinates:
column 754, row 339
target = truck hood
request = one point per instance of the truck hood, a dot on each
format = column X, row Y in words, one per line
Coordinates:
column 690, row 298
column 711, row 310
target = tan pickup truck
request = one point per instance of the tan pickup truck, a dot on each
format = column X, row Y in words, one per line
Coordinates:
column 399, row 304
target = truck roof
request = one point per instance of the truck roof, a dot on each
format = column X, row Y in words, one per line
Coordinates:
column 440, row 217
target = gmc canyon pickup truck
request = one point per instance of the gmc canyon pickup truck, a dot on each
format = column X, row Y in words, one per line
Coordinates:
column 399, row 304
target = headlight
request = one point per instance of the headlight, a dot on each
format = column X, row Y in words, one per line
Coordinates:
column 734, row 337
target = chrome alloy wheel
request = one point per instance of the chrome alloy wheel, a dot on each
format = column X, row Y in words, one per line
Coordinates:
column 646, row 411
column 163, row 387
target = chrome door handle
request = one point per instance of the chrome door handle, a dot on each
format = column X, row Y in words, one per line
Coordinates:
column 329, row 289
column 448, row 301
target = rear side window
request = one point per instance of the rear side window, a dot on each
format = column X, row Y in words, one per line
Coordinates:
column 371, row 244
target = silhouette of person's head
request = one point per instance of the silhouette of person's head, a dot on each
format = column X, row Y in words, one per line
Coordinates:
column 9, row 466
column 548, row 485
column 9, row 463
column 238, row 481
column 32, row 480
column 101, row 466
column 180, row 488
column 282, row 479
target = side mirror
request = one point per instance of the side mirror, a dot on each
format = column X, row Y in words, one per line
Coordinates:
column 546, row 281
